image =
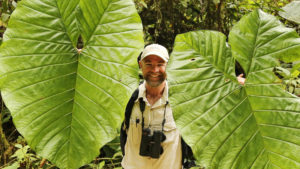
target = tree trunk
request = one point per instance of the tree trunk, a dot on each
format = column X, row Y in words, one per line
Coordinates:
column 4, row 144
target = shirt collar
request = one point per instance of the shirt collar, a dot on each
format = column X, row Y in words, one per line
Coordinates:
column 163, row 100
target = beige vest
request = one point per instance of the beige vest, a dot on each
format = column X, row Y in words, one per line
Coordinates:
column 153, row 116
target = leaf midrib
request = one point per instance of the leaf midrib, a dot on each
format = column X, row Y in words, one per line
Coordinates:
column 206, row 59
column 255, row 42
column 63, row 22
column 257, row 124
column 99, row 21
column 71, row 128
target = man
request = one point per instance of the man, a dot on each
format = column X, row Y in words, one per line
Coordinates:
column 156, row 117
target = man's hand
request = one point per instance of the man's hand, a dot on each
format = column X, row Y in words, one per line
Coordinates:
column 240, row 79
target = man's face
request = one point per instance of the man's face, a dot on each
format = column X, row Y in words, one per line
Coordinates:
column 154, row 70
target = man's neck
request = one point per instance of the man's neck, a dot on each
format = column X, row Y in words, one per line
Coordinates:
column 154, row 93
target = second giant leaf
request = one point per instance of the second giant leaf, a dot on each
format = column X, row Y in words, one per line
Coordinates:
column 229, row 126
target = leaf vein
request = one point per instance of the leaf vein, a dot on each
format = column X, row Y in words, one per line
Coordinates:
column 33, row 24
column 39, row 11
column 244, row 146
column 111, row 33
column 257, row 157
column 110, row 62
column 280, row 140
column 44, row 113
column 39, row 100
column 101, row 89
column 186, row 101
column 104, row 75
column 220, row 120
column 116, row 21
column 85, row 128
column 281, row 126
column 279, row 50
column 60, row 148
column 38, row 67
column 226, row 139
column 198, row 80
column 39, row 82
column 33, row 54
column 42, row 41
column 283, row 156
column 50, row 124
column 93, row 117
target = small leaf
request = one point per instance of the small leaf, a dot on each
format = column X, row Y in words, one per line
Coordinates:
column 297, row 92
column 296, row 66
column 5, row 17
column 18, row 146
column 14, row 4
column 117, row 154
column 184, row 3
column 101, row 165
column 144, row 4
column 286, row 74
column 295, row 73
column 216, row 2
column 15, row 165
column 291, row 12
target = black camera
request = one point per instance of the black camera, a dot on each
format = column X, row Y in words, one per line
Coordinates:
column 151, row 144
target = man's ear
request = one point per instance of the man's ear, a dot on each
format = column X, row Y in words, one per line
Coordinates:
column 140, row 64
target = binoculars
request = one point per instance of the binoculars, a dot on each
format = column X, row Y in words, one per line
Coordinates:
column 151, row 143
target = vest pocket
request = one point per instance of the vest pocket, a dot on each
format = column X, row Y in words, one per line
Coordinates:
column 135, row 133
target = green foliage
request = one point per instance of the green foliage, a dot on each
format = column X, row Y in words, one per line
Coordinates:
column 164, row 19
column 6, row 8
column 226, row 124
column 24, row 157
column 290, row 78
column 6, row 116
column 68, row 105
column 62, row 101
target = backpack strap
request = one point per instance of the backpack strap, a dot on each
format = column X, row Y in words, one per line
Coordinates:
column 126, row 122
column 129, row 107
column 188, row 160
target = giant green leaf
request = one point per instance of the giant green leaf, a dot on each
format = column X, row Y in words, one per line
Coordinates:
column 230, row 126
column 68, row 105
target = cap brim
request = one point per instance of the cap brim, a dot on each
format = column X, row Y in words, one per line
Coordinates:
column 156, row 54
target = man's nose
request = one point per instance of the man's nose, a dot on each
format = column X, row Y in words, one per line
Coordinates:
column 155, row 68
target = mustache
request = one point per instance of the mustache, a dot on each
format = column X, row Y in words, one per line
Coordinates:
column 155, row 74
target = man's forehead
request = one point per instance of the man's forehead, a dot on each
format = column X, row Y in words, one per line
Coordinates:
column 152, row 58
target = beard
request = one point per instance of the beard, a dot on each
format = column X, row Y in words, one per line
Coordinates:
column 155, row 83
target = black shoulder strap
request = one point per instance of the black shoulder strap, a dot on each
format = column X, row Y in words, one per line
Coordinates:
column 129, row 107
column 126, row 122
column 188, row 160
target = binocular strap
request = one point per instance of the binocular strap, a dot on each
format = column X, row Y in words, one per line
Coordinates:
column 142, row 108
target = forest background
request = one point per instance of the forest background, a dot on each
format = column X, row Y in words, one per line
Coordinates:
column 162, row 21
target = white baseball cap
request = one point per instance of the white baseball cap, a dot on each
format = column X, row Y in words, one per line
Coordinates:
column 156, row 49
